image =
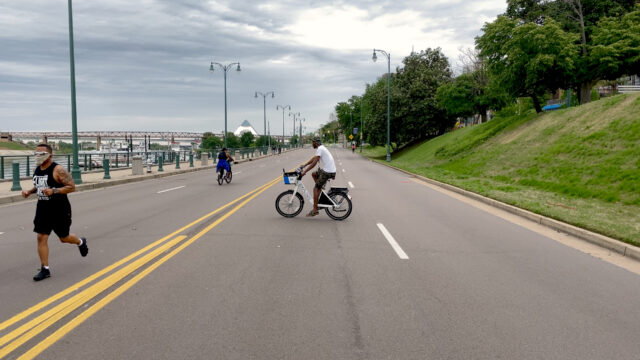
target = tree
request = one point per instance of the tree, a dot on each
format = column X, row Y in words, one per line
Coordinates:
column 348, row 114
column 210, row 141
column 293, row 140
column 246, row 139
column 527, row 10
column 579, row 17
column 474, row 91
column 233, row 141
column 329, row 131
column 528, row 59
column 416, row 111
column 264, row 141
column 617, row 45
column 456, row 98
column 375, row 97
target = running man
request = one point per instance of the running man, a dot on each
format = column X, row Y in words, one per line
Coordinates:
column 326, row 171
column 52, row 183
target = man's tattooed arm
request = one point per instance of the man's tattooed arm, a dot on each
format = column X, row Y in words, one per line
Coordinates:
column 62, row 176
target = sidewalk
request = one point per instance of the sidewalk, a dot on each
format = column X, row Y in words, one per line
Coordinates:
column 95, row 179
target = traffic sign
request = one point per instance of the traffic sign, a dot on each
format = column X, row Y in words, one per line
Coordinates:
column 350, row 137
column 355, row 131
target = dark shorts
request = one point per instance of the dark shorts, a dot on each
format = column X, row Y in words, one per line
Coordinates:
column 323, row 177
column 56, row 221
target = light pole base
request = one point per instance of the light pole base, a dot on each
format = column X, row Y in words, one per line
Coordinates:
column 388, row 157
column 76, row 175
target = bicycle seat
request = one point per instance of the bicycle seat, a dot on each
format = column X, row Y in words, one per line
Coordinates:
column 339, row 189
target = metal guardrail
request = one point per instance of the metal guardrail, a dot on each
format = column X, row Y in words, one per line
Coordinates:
column 628, row 88
column 121, row 159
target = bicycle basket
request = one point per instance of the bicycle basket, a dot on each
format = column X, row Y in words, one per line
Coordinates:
column 290, row 178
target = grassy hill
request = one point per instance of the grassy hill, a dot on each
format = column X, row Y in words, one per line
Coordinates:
column 12, row 146
column 579, row 165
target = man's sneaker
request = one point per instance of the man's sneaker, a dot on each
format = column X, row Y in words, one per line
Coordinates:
column 84, row 250
column 43, row 274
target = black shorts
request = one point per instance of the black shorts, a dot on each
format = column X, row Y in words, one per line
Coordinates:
column 59, row 222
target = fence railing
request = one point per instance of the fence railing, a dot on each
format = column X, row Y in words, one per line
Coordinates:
column 121, row 159
column 628, row 88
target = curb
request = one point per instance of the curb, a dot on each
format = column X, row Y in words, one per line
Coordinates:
column 606, row 242
column 98, row 185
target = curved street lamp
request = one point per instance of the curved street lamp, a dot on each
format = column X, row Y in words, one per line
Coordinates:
column 264, row 98
column 225, row 69
column 374, row 58
column 285, row 107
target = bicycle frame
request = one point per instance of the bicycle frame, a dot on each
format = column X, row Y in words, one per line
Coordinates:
column 322, row 200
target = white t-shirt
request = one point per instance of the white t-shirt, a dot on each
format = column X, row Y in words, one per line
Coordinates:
column 326, row 160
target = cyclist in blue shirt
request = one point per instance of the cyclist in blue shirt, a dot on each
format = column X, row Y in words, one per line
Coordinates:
column 223, row 161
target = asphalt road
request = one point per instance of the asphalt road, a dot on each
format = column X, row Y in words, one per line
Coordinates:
column 246, row 283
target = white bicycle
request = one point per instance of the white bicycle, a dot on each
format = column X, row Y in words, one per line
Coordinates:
column 336, row 202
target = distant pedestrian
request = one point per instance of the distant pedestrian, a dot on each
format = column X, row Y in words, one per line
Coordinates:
column 279, row 149
column 52, row 183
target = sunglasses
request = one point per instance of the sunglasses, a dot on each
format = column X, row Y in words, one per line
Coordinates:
column 40, row 153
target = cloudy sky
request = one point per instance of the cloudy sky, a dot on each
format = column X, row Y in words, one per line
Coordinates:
column 144, row 64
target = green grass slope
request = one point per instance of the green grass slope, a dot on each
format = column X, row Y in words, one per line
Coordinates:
column 12, row 146
column 579, row 165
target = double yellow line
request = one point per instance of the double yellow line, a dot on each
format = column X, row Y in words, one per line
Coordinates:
column 32, row 328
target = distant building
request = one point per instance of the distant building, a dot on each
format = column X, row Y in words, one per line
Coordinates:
column 5, row 137
column 245, row 127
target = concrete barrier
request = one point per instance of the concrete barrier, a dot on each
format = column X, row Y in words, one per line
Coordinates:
column 136, row 167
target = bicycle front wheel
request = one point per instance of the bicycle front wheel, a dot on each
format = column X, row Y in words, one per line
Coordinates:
column 220, row 176
column 342, row 210
column 289, row 205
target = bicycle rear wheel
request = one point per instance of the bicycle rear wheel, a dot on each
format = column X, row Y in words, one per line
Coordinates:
column 220, row 173
column 343, row 208
column 289, row 205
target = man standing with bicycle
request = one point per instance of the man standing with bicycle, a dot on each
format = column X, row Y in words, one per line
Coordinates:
column 326, row 171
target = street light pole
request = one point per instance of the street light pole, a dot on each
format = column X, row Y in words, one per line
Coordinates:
column 361, row 127
column 278, row 107
column 301, row 120
column 294, row 122
column 75, row 171
column 388, row 97
column 264, row 98
column 224, row 70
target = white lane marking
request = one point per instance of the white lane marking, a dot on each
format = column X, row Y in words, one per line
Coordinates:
column 351, row 184
column 175, row 188
column 392, row 242
column 343, row 170
column 237, row 172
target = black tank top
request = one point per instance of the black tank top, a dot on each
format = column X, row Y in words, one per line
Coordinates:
column 43, row 179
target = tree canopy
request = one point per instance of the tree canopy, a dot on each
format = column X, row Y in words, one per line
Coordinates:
column 528, row 59
column 211, row 141
column 246, row 139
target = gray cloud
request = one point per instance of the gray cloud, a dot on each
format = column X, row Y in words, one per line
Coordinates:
column 145, row 66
